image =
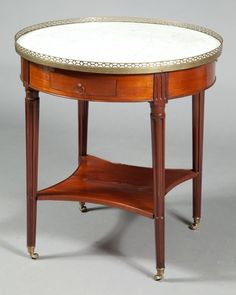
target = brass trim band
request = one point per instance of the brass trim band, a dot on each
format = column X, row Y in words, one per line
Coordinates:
column 118, row 68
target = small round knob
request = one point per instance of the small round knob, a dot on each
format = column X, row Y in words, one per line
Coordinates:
column 81, row 88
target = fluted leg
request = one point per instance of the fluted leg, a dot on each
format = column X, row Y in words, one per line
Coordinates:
column 158, row 155
column 32, row 129
column 83, row 135
column 198, row 126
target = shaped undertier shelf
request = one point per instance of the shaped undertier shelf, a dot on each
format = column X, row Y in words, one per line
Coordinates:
column 115, row 185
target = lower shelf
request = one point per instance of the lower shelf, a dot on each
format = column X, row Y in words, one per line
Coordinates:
column 115, row 185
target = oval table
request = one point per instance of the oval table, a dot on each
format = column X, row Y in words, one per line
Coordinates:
column 118, row 59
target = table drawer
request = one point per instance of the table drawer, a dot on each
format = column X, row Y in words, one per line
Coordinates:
column 89, row 86
column 83, row 87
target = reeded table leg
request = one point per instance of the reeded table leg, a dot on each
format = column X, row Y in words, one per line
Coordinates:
column 198, row 126
column 83, row 135
column 32, row 127
column 158, row 155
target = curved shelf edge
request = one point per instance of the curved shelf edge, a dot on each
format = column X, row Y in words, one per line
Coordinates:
column 115, row 185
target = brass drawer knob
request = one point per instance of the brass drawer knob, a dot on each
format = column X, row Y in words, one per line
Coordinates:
column 81, row 88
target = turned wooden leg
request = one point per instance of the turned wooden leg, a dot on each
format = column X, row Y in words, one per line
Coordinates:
column 198, row 126
column 158, row 155
column 83, row 135
column 32, row 129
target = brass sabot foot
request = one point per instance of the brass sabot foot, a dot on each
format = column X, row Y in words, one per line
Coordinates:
column 160, row 274
column 195, row 224
column 32, row 254
column 83, row 208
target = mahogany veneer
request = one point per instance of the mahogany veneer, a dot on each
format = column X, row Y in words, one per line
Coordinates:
column 115, row 88
column 161, row 61
column 136, row 189
column 116, row 185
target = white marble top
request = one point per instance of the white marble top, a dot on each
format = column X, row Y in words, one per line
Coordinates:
column 118, row 42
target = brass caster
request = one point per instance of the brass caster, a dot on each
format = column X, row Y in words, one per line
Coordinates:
column 32, row 254
column 159, row 275
column 195, row 224
column 83, row 208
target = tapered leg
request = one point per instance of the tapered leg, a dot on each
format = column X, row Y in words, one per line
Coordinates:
column 158, row 155
column 32, row 129
column 83, row 126
column 83, row 135
column 198, row 126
